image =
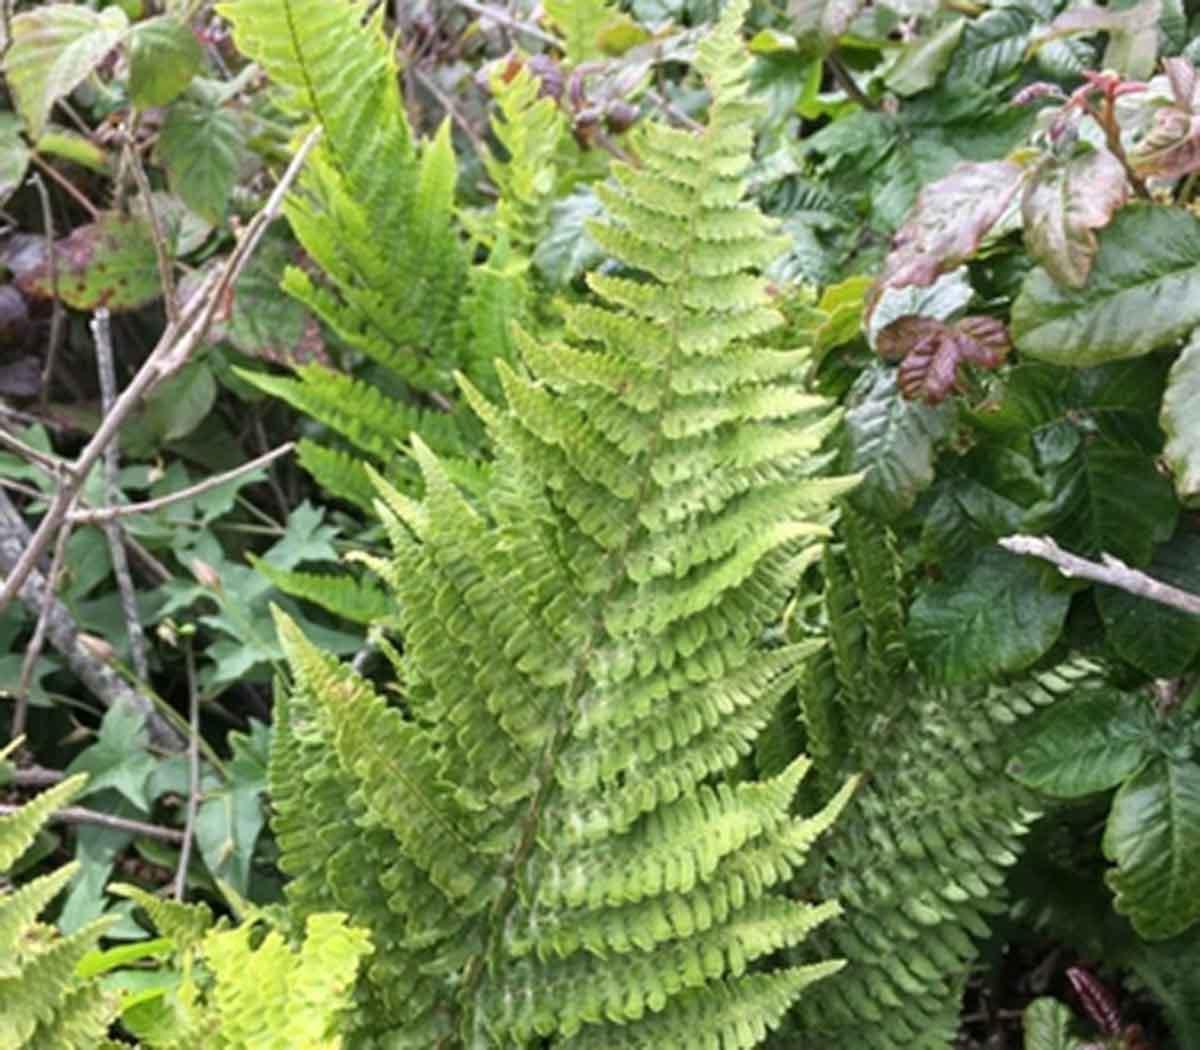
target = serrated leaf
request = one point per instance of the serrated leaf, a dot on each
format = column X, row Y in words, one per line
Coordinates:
column 1180, row 421
column 997, row 616
column 993, row 46
column 1063, row 204
column 924, row 60
column 1047, row 1024
column 200, row 146
column 892, row 441
column 1153, row 837
column 53, row 48
column 1084, row 745
column 164, row 56
column 119, row 758
column 1143, row 293
column 1155, row 638
column 109, row 262
column 1132, row 34
column 950, row 220
column 14, row 156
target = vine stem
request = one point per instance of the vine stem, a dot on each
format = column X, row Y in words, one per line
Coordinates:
column 1109, row 570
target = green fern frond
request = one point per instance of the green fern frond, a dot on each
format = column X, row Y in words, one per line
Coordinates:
column 356, row 600
column 339, row 473
column 920, row 858
column 581, row 22
column 545, row 837
column 184, row 924
column 42, row 1002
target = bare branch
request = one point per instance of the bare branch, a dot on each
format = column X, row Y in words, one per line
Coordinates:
column 79, row 815
column 179, row 341
column 193, row 803
column 1109, row 570
column 57, row 311
column 503, row 18
column 162, row 254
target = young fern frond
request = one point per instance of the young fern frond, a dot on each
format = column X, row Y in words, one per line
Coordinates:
column 545, row 838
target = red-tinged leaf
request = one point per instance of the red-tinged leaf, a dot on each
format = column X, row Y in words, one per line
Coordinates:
column 1132, row 34
column 948, row 223
column 109, row 262
column 1063, row 204
column 1181, row 75
column 1097, row 1000
column 932, row 352
column 1171, row 148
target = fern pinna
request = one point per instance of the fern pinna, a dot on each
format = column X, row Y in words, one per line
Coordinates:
column 541, row 834
column 920, row 857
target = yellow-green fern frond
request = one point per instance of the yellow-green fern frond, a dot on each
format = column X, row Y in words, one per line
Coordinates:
column 544, row 833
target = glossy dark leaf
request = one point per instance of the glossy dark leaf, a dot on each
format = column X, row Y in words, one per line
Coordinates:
column 999, row 614
column 1153, row 838
column 1084, row 745
column 1143, row 293
column 1063, row 203
column 932, row 353
column 951, row 218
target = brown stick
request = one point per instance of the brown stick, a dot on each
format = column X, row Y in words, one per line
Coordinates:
column 79, row 815
column 179, row 341
column 1109, row 570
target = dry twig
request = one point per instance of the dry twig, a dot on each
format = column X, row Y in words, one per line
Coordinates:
column 193, row 803
column 79, row 815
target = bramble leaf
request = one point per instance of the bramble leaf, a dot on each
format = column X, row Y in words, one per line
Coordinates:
column 163, row 58
column 1180, row 421
column 1064, row 203
column 1143, row 293
column 199, row 145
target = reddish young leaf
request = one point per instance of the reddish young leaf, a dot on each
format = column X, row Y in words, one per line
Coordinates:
column 1171, row 148
column 932, row 352
column 1064, row 203
column 948, row 223
column 1097, row 1001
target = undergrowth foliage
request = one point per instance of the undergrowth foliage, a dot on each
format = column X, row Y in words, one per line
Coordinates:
column 543, row 838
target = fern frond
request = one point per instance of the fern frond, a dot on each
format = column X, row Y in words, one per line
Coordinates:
column 184, row 924
column 19, row 828
column 546, row 834
column 359, row 601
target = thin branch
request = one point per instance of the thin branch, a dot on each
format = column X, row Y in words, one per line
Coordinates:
column 47, row 461
column 505, row 19
column 79, row 815
column 57, row 312
column 193, row 803
column 102, row 334
column 1109, row 570
column 162, row 254
column 125, row 510
column 179, row 341
column 33, row 650
column 36, row 776
column 67, row 185
column 845, row 80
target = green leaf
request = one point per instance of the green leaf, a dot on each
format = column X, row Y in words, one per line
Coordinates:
column 923, row 60
column 181, row 404
column 119, row 758
column 109, row 262
column 1156, row 639
column 163, row 59
column 581, row 23
column 824, row 20
column 1064, row 203
column 53, row 48
column 72, row 146
column 568, row 249
column 1085, row 745
column 1143, row 293
column 229, row 820
column 892, row 441
column 14, row 156
column 1153, row 837
column 998, row 616
column 200, row 146
column 1181, row 421
column 1047, row 1025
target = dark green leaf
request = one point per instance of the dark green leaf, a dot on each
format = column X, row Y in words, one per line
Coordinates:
column 892, row 441
column 14, row 156
column 999, row 615
column 163, row 59
column 230, row 818
column 1153, row 637
column 200, row 145
column 1153, row 837
column 1181, row 421
column 1084, row 745
column 53, row 48
column 992, row 46
column 119, row 758
column 567, row 249
column 178, row 406
column 923, row 60
column 1143, row 293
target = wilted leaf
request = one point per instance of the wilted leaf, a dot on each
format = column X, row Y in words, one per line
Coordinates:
column 14, row 316
column 200, row 145
column 950, row 219
column 932, row 352
column 53, row 48
column 1084, row 745
column 996, row 617
column 892, row 441
column 14, row 156
column 1143, row 293
column 109, row 262
column 925, row 59
column 1153, row 837
column 1064, row 203
column 163, row 59
column 1181, row 421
